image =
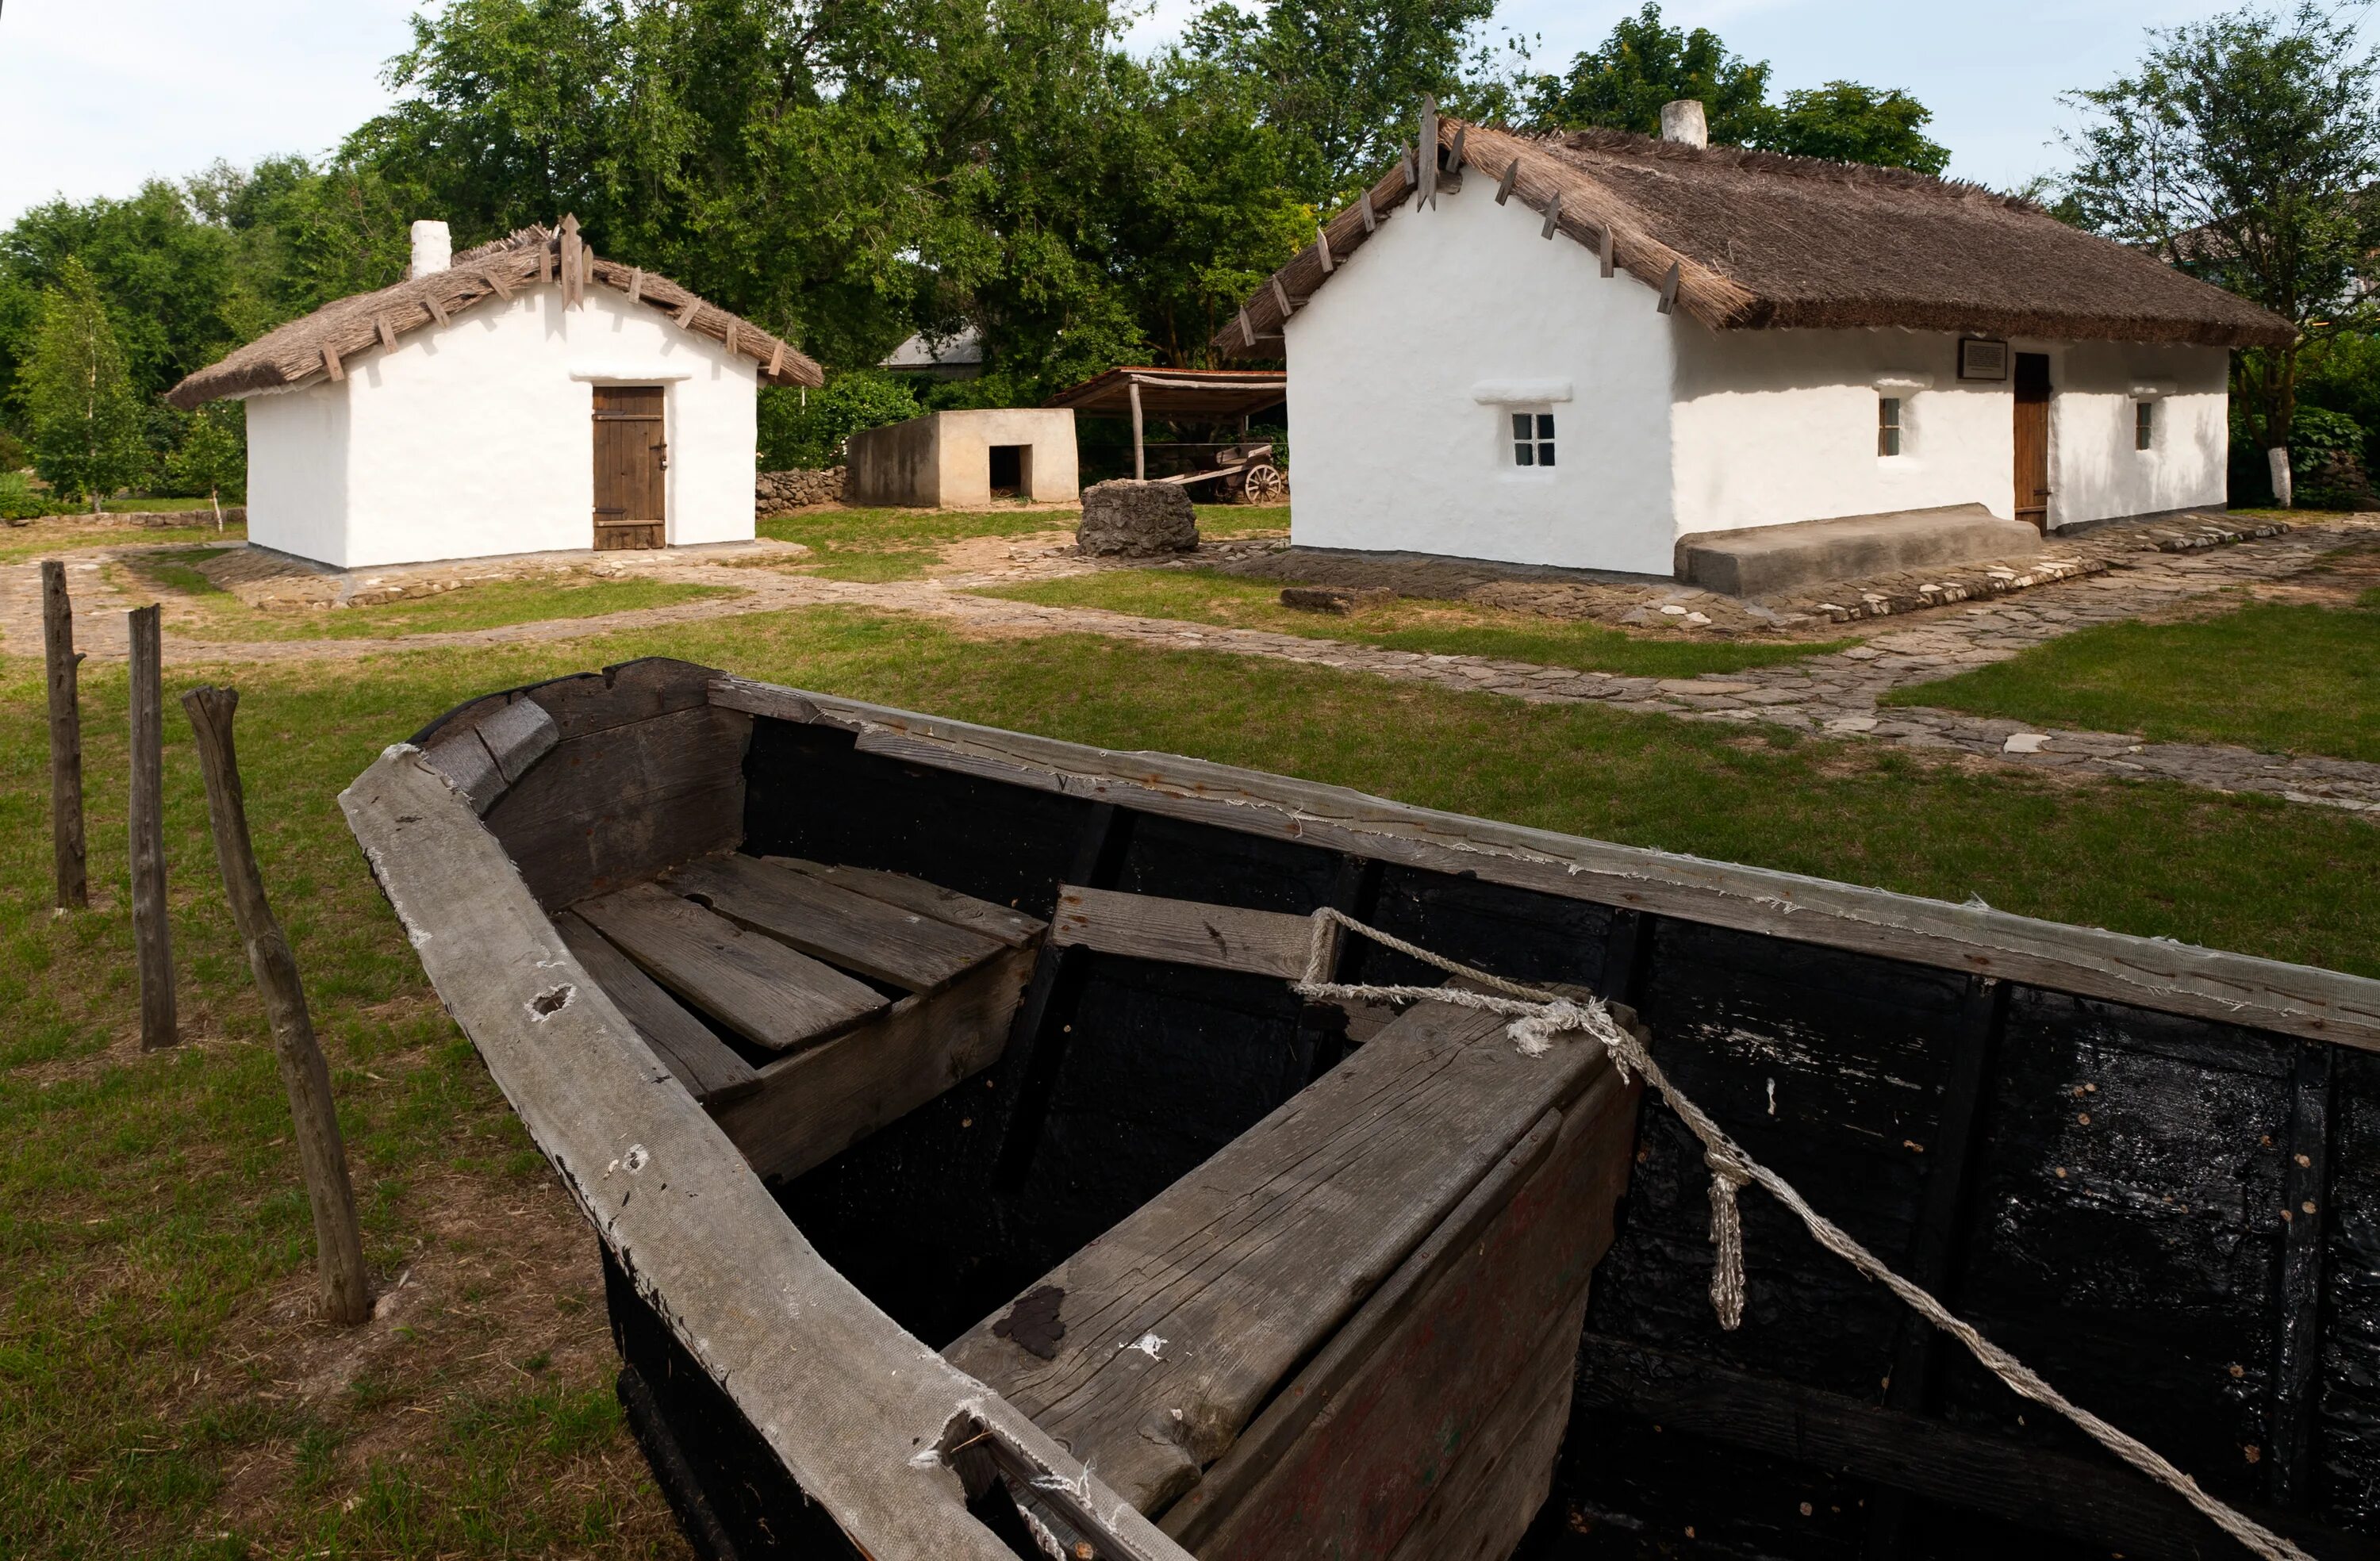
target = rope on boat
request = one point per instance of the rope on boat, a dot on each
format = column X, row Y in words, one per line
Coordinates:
column 1537, row 1016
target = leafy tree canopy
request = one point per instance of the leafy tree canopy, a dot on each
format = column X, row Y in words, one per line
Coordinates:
column 1645, row 63
column 2245, row 150
column 77, row 395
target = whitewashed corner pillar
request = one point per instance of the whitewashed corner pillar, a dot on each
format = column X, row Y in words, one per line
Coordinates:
column 2278, row 460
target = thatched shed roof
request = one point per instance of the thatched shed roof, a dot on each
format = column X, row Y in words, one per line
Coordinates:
column 321, row 344
column 1763, row 241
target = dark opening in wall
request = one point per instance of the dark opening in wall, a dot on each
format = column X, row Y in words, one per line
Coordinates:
column 1012, row 471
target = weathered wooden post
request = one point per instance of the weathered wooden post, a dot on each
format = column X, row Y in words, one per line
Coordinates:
column 338, row 1241
column 152, row 936
column 66, row 738
column 1139, row 461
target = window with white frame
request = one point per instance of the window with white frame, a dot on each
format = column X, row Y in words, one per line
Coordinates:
column 2143, row 425
column 1532, row 439
column 1887, row 425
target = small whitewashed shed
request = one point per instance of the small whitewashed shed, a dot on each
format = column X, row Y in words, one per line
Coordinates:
column 1582, row 350
column 524, row 396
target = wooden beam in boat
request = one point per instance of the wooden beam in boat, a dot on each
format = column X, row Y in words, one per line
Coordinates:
column 1183, row 932
column 997, row 922
column 830, row 922
column 841, row 1397
column 2169, row 977
column 1040, row 1041
column 2095, row 1501
column 814, row 1105
column 2298, row 1345
column 1206, row 1297
column 705, row 1065
column 765, row 992
column 1453, row 1373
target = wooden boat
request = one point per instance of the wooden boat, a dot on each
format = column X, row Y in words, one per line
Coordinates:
column 971, row 1182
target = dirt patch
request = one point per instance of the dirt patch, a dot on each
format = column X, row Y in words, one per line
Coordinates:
column 2336, row 582
column 1002, row 556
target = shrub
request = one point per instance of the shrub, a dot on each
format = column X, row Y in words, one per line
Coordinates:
column 19, row 500
column 809, row 429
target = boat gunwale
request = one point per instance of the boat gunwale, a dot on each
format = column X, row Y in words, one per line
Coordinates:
column 2153, row 972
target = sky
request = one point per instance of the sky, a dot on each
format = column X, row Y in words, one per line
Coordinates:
column 97, row 95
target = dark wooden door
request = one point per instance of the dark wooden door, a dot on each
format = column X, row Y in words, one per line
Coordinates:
column 630, row 457
column 2033, row 438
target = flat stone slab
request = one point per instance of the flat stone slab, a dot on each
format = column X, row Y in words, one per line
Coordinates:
column 1764, row 561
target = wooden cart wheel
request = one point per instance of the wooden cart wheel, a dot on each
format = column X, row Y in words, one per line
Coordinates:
column 1263, row 485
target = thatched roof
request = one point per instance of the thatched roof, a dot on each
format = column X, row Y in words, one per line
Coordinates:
column 321, row 344
column 1765, row 241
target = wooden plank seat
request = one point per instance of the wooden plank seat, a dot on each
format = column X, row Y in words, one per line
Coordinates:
column 1392, row 1268
column 768, row 948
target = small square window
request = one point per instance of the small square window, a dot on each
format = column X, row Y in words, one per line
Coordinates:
column 2143, row 425
column 1887, row 425
column 1532, row 439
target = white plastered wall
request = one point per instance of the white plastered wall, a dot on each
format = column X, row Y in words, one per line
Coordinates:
column 1775, row 427
column 297, row 471
column 1390, row 447
column 2095, row 470
column 477, row 437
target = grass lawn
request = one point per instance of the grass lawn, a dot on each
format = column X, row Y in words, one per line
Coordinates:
column 161, row 1392
column 2280, row 677
column 223, row 617
column 902, row 544
column 1434, row 627
column 153, row 506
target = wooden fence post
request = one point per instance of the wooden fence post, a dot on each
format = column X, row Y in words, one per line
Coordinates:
column 151, row 936
column 338, row 1241
column 66, row 738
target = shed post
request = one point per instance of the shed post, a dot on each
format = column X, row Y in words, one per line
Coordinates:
column 1139, row 461
column 151, row 936
column 66, row 738
column 338, row 1239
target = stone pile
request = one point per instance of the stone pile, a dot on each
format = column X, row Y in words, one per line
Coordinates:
column 1128, row 519
column 776, row 492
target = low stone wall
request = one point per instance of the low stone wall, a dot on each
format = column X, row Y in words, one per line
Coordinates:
column 776, row 492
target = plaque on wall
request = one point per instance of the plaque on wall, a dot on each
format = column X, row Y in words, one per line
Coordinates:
column 1982, row 360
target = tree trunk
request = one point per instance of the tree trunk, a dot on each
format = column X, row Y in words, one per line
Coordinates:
column 305, row 1074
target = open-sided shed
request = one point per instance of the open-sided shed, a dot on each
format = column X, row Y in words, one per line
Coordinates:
column 1206, row 395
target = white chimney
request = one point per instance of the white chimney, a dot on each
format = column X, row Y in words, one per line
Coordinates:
column 433, row 245
column 1682, row 122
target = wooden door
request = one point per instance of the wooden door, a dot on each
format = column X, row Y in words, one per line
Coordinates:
column 631, row 456
column 2033, row 438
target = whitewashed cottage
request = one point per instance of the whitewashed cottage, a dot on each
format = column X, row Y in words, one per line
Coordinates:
column 524, row 396
column 1593, row 350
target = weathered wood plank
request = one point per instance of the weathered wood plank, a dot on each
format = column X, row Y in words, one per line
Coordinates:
column 1482, row 1513
column 705, row 1065
column 814, row 1105
column 1009, row 926
column 2094, row 1500
column 1185, row 932
column 1246, row 1265
column 837, row 1390
column 754, row 985
column 830, row 922
column 2174, row 978
column 619, row 803
column 2297, row 1350
column 1429, row 1380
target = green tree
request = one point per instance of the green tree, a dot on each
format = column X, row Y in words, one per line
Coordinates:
column 1847, row 123
column 808, row 428
column 1622, row 84
column 85, row 416
column 2244, row 150
column 214, row 456
column 1343, row 79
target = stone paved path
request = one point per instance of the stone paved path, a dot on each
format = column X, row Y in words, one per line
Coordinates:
column 1834, row 694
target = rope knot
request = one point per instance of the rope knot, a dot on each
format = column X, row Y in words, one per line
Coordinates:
column 1533, row 1034
column 1728, row 1178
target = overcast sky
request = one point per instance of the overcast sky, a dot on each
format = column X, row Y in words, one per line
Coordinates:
column 96, row 95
